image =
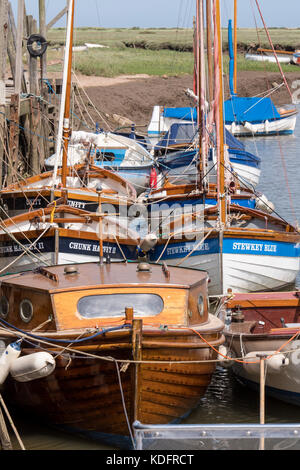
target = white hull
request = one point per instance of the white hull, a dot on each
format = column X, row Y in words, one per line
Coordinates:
column 281, row 126
column 209, row 263
column 284, row 383
column 243, row 273
column 248, row 175
column 27, row 262
column 268, row 58
column 252, row 273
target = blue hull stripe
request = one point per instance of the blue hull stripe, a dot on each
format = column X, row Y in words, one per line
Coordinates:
column 250, row 203
column 230, row 246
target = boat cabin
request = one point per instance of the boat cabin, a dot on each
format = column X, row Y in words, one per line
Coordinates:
column 72, row 297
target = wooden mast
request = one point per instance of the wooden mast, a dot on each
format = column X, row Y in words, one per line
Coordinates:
column 209, row 51
column 66, row 122
column 222, row 196
column 201, row 92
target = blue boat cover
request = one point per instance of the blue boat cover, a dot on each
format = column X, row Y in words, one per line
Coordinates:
column 179, row 133
column 239, row 109
column 236, row 109
column 186, row 114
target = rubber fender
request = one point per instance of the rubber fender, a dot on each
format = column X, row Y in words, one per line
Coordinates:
column 42, row 43
column 32, row 366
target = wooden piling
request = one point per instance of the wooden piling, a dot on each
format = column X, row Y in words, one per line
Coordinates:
column 4, row 435
column 27, row 120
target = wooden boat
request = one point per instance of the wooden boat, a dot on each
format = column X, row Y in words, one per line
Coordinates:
column 82, row 187
column 265, row 325
column 117, row 153
column 63, row 235
column 130, row 342
column 253, row 252
column 242, row 249
column 186, row 198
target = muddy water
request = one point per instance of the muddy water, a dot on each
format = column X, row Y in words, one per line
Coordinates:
column 226, row 401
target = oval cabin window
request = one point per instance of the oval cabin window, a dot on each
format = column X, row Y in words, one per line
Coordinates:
column 26, row 310
column 200, row 305
column 4, row 307
column 113, row 305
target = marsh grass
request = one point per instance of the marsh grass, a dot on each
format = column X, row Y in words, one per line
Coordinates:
column 114, row 62
column 158, row 51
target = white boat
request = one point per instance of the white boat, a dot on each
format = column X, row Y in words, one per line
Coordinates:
column 265, row 327
column 83, row 186
column 110, row 151
column 256, row 115
column 268, row 58
column 282, row 121
column 254, row 252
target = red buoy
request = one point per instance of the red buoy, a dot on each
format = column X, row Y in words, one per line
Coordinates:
column 153, row 179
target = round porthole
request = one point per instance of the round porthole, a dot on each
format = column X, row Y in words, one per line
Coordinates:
column 200, row 305
column 4, row 307
column 26, row 310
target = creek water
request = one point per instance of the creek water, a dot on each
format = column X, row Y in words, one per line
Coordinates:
column 226, row 401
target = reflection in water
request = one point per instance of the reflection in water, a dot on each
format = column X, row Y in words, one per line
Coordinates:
column 226, row 401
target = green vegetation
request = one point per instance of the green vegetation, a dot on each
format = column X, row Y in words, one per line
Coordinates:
column 158, row 51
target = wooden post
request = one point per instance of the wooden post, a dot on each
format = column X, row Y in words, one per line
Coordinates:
column 13, row 138
column 19, row 48
column 4, row 435
column 137, row 333
column 3, row 56
column 262, row 358
column 43, row 32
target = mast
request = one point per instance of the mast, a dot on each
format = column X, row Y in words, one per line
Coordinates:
column 66, row 125
column 209, row 51
column 64, row 118
column 201, row 92
column 220, row 118
column 235, row 47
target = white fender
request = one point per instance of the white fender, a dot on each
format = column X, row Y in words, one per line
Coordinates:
column 262, row 203
column 10, row 354
column 148, row 242
column 225, row 361
column 33, row 366
column 274, row 363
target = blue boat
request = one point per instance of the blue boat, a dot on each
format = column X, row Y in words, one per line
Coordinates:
column 181, row 166
column 257, row 115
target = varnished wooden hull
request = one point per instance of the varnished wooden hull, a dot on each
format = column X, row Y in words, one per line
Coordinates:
column 84, row 395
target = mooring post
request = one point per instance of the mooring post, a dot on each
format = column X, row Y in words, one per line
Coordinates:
column 3, row 57
column 4, row 435
column 262, row 358
column 137, row 332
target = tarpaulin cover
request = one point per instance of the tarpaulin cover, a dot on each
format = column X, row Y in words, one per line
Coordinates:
column 179, row 133
column 238, row 109
column 187, row 114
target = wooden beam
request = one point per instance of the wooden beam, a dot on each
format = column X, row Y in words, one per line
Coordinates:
column 13, row 137
column 3, row 57
column 43, row 32
column 57, row 18
column 19, row 48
